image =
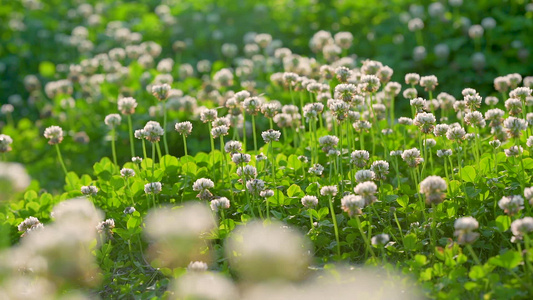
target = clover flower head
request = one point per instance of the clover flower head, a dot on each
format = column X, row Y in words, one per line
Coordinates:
column 54, row 134
column 329, row 190
column 220, row 203
column 127, row 173
column 464, row 230
column 153, row 188
column 89, row 190
column 316, row 170
column 511, row 205
column 352, row 204
column 184, row 128
column 112, row 120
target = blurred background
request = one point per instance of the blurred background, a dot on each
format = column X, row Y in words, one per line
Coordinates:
column 463, row 43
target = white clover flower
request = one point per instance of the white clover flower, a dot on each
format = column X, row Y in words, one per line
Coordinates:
column 286, row 249
column 444, row 152
column 328, row 142
column 455, row 134
column 426, row 121
column 197, row 266
column 521, row 227
column 233, row 147
column 513, row 106
column 241, row 158
column 28, row 224
column 511, row 205
column 513, row 151
column 433, row 187
column 252, row 105
column 54, row 134
column 112, row 120
column 495, row 116
column 202, row 184
column 369, row 83
column 396, row 153
column 127, row 105
column 266, row 193
column 208, row 115
column 520, row 92
column 316, row 169
column 219, row 131
column 367, row 190
column 380, row 169
column 419, row 104
column 127, row 173
column 352, row 204
column 89, row 190
column 270, row 135
column 309, row 201
column 360, row 158
column 405, row 121
column 529, row 141
column 415, row 24
column 177, row 235
column 362, row 126
column 140, row 134
column 380, row 239
column 129, row 210
column 248, row 171
column 440, row 129
column 495, row 144
column 412, row 157
column 514, row 126
column 364, row 175
column 5, row 142
column 475, row 119
column 106, row 226
column 153, row 131
column 393, row 88
column 160, row 91
column 429, row 82
column 491, row 100
column 255, row 186
column 270, row 109
column 184, row 128
column 464, row 230
column 220, row 203
column 330, row 190
column 136, row 159
column 152, row 188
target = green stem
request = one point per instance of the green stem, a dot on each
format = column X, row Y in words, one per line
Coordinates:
column 165, row 126
column 60, row 158
column 144, row 149
column 153, row 161
column 365, row 239
column 184, row 144
column 113, row 149
column 254, row 133
column 132, row 145
column 474, row 256
column 335, row 227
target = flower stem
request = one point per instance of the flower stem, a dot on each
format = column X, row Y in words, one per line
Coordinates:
column 184, row 144
column 113, row 148
column 254, row 133
column 365, row 239
column 474, row 256
column 165, row 126
column 60, row 158
column 132, row 146
column 335, row 227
